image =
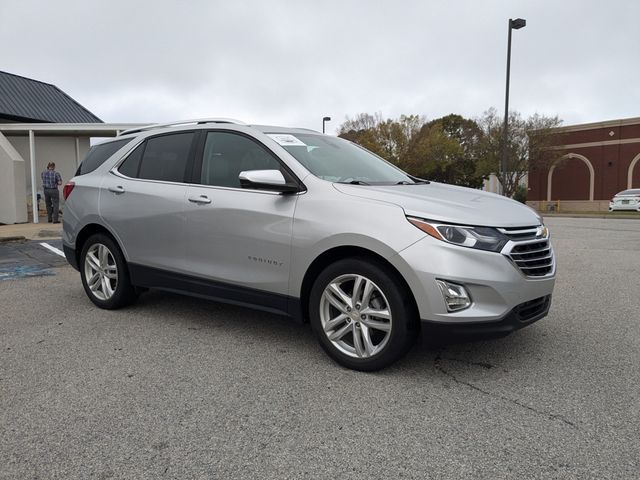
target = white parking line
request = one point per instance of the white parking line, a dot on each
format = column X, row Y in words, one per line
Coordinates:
column 55, row 250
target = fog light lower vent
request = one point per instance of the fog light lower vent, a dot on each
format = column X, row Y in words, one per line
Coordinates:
column 455, row 296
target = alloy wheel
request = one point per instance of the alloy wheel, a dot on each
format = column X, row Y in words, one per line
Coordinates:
column 355, row 316
column 101, row 271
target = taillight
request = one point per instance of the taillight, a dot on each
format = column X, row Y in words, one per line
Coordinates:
column 68, row 188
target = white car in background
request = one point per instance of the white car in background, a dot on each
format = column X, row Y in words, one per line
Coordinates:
column 626, row 200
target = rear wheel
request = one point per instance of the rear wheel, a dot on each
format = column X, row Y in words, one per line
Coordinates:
column 362, row 316
column 104, row 273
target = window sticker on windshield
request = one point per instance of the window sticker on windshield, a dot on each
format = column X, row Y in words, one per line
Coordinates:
column 286, row 140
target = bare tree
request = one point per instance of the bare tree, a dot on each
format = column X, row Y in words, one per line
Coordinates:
column 529, row 144
column 362, row 121
column 388, row 138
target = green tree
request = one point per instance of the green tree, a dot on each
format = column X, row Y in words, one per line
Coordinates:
column 447, row 150
column 458, row 150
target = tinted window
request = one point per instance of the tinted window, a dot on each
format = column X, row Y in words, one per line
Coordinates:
column 131, row 164
column 226, row 155
column 98, row 154
column 165, row 157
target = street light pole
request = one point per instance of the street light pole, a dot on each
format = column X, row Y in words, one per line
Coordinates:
column 516, row 24
column 325, row 119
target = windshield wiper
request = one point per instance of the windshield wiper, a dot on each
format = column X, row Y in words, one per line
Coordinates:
column 417, row 182
column 355, row 182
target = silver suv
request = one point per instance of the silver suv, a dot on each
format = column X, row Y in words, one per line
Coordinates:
column 294, row 222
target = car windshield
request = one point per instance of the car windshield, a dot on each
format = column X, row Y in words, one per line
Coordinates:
column 337, row 160
column 635, row 191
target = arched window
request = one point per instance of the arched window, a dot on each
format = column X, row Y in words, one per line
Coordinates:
column 630, row 173
column 579, row 157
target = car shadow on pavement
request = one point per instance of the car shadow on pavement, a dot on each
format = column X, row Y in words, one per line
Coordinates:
column 431, row 348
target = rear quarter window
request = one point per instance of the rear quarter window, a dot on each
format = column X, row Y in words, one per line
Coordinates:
column 98, row 154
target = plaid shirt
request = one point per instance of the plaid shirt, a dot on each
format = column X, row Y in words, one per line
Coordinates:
column 51, row 179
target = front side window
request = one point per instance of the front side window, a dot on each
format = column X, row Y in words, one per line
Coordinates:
column 226, row 155
column 165, row 157
column 338, row 160
column 98, row 154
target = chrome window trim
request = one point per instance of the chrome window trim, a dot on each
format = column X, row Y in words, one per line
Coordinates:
column 115, row 172
column 220, row 187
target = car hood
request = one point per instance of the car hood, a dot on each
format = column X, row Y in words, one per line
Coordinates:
column 449, row 204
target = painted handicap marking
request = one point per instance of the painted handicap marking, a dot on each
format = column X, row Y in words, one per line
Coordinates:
column 24, row 271
column 30, row 259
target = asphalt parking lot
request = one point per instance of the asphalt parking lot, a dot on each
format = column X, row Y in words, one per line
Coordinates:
column 30, row 258
column 175, row 387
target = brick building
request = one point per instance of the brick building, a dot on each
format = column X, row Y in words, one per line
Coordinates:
column 598, row 161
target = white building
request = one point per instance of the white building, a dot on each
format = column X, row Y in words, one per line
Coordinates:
column 39, row 123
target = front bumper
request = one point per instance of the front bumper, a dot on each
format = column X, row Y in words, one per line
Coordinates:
column 496, row 286
column 521, row 316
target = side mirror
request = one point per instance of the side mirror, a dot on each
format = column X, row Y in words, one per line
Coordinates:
column 267, row 180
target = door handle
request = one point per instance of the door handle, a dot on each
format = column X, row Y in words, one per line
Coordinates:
column 202, row 199
column 117, row 189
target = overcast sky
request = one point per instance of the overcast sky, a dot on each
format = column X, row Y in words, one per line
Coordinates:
column 292, row 62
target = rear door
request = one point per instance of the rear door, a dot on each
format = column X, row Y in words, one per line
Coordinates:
column 143, row 201
column 235, row 235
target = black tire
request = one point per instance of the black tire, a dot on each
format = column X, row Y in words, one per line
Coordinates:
column 405, row 324
column 124, row 293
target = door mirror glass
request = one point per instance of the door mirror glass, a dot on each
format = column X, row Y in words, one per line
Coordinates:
column 266, row 180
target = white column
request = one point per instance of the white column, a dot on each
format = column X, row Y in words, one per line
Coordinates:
column 34, row 186
column 77, row 152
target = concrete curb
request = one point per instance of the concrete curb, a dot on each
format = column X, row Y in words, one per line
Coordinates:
column 30, row 231
column 18, row 238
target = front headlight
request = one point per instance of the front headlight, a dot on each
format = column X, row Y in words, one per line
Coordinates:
column 481, row 238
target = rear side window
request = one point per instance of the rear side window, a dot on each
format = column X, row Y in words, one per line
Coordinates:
column 98, row 154
column 165, row 158
column 132, row 163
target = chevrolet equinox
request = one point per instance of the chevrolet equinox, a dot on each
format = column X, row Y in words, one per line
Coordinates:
column 294, row 222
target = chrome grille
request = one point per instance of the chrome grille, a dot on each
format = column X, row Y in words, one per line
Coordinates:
column 520, row 233
column 530, row 253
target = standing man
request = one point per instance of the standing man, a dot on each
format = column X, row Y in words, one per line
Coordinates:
column 50, row 181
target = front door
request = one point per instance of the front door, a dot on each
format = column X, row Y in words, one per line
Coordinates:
column 238, row 236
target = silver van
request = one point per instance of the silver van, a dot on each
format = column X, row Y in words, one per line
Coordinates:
column 295, row 222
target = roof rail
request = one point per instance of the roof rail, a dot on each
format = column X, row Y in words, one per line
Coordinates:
column 197, row 121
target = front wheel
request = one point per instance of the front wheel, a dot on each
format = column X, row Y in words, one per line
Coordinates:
column 362, row 314
column 104, row 273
